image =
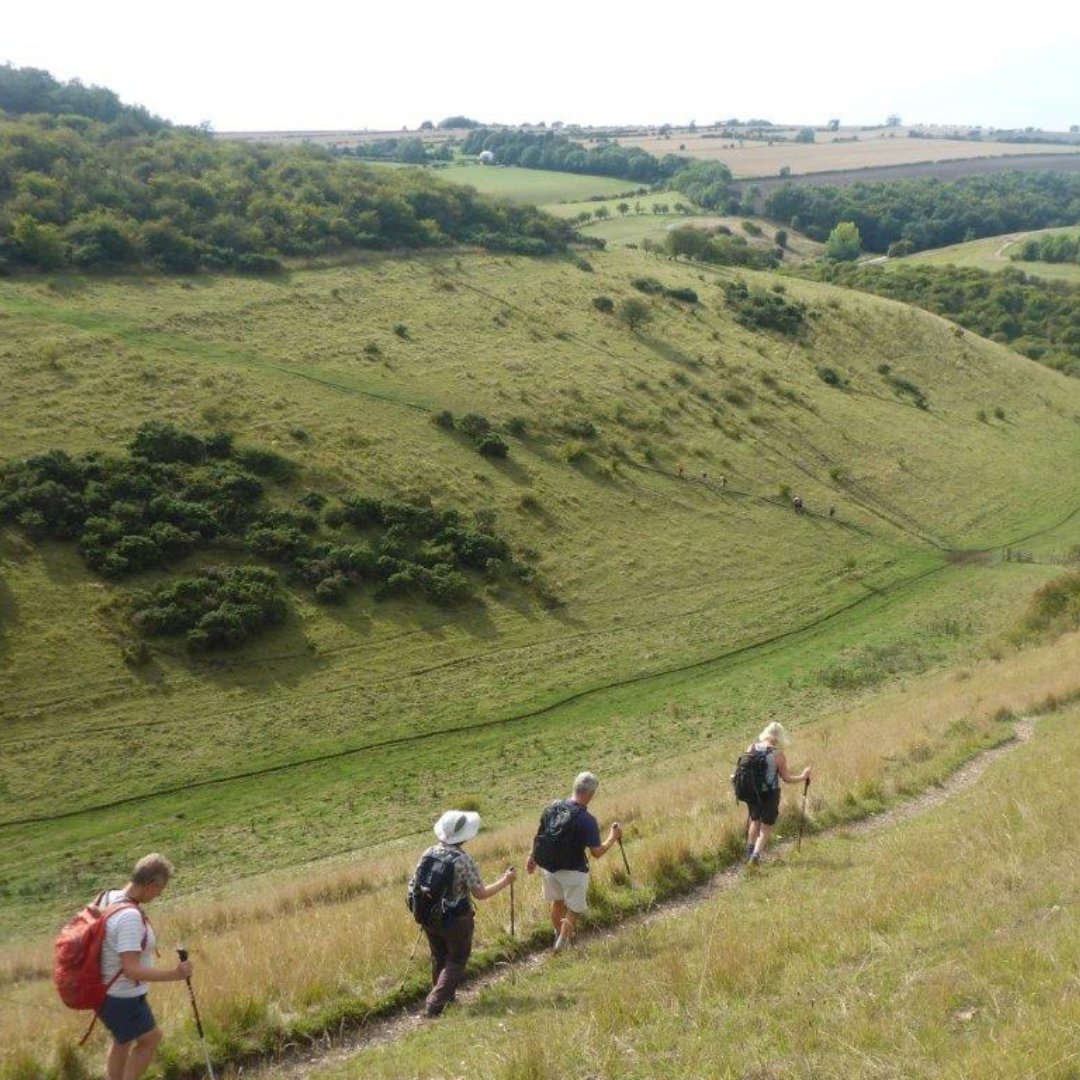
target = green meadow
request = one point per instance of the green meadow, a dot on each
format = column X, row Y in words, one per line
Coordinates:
column 993, row 254
column 538, row 186
column 678, row 601
column 682, row 573
column 938, row 947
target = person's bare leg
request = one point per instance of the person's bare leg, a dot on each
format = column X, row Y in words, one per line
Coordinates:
column 558, row 913
column 141, row 1054
column 117, row 1059
column 762, row 841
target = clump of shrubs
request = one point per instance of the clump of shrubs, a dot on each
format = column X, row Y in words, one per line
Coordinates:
column 220, row 609
column 903, row 386
column 831, row 377
column 686, row 296
column 648, row 285
column 757, row 309
column 603, row 304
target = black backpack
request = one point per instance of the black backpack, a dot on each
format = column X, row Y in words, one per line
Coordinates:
column 429, row 889
column 555, row 846
column 750, row 778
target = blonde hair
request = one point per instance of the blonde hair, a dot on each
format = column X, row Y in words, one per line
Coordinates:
column 153, row 869
column 775, row 732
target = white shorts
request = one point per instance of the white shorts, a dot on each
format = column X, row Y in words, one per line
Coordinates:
column 570, row 886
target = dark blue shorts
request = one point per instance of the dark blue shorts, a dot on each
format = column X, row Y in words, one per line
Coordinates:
column 768, row 809
column 127, row 1017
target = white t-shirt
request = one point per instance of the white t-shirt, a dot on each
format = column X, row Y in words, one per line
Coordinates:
column 124, row 932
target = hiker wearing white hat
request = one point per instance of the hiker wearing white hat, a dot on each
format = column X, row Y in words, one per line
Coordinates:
column 439, row 892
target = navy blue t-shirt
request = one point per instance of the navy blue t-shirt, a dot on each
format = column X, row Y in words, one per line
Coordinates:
column 586, row 834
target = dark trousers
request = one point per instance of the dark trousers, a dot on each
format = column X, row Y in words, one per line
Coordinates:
column 450, row 947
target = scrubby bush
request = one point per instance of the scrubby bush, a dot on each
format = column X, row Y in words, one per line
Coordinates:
column 221, row 608
column 604, row 304
column 831, row 377
column 686, row 296
column 474, row 425
column 760, row 310
column 493, row 445
column 443, row 419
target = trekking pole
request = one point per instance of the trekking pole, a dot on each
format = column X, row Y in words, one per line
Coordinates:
column 183, row 954
column 622, row 850
column 412, row 957
column 802, row 816
column 512, row 934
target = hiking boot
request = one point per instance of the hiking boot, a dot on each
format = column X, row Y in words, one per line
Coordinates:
column 431, row 1012
column 563, row 943
column 754, row 859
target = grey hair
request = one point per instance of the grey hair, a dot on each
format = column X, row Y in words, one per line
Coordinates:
column 153, row 869
column 585, row 783
column 776, row 731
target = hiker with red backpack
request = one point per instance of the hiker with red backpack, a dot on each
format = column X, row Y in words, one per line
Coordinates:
column 105, row 958
column 567, row 831
column 757, row 780
column 438, row 896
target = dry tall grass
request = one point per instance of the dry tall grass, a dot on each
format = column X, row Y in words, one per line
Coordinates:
column 295, row 953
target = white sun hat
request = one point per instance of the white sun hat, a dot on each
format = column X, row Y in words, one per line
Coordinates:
column 457, row 826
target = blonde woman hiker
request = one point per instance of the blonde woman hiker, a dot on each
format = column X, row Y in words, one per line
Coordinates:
column 444, row 879
column 764, row 811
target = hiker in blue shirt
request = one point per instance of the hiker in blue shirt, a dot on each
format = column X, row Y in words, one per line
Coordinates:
column 567, row 831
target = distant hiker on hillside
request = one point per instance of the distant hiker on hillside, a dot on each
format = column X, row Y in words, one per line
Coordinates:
column 679, row 470
column 438, row 897
column 567, row 830
column 798, row 504
column 757, row 779
column 127, row 965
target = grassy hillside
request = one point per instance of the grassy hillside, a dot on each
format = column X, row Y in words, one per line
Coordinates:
column 929, row 949
column 648, row 483
column 994, row 253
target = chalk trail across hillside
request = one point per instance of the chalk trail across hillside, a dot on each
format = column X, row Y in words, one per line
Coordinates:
column 330, row 1050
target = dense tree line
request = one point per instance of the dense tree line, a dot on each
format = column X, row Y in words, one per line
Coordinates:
column 81, row 192
column 30, row 90
column 402, row 150
column 1038, row 318
column 174, row 494
column 706, row 183
column 550, row 150
column 911, row 215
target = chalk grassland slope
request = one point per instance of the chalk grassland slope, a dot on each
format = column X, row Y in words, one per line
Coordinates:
column 874, row 149
column 283, row 958
column 993, row 254
column 340, row 368
column 936, row 948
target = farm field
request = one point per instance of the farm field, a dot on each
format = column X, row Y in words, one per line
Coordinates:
column 648, row 482
column 874, row 149
column 992, row 253
column 538, row 186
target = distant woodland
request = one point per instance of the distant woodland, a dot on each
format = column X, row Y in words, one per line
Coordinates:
column 903, row 216
column 89, row 183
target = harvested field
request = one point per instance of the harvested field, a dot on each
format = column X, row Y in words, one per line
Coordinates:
column 836, row 153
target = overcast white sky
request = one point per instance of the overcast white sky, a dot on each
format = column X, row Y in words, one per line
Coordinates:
column 323, row 65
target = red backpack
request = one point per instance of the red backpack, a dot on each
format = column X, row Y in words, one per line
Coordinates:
column 77, row 956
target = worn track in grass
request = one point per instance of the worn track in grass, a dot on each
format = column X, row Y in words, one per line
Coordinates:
column 301, row 1062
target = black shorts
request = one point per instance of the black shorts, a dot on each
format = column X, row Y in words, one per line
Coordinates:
column 767, row 810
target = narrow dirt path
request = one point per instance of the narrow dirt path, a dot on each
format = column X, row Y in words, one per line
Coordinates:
column 300, row 1063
